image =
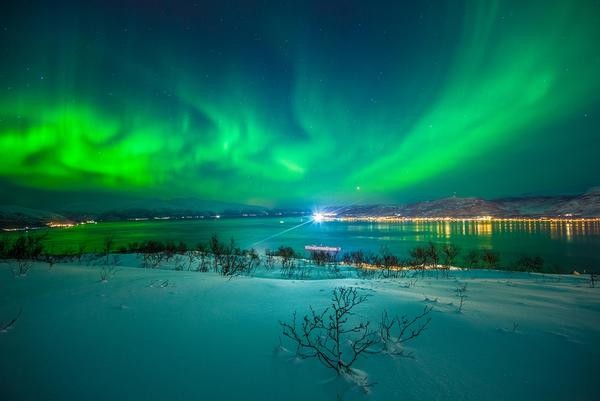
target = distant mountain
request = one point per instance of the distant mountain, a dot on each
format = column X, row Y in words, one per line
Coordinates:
column 534, row 206
column 454, row 207
column 584, row 205
column 12, row 216
column 446, row 207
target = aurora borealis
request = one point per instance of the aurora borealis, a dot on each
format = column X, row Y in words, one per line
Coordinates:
column 276, row 103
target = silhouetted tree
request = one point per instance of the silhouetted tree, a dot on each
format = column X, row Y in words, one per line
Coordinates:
column 490, row 258
column 530, row 264
column 419, row 256
column 472, row 258
column 433, row 256
column 450, row 253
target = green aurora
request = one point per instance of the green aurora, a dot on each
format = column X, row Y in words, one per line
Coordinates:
column 292, row 103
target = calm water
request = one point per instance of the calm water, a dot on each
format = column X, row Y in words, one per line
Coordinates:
column 567, row 245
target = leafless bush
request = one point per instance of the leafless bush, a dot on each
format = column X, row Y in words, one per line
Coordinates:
column 180, row 262
column 330, row 337
column 433, row 255
column 50, row 259
column 269, row 260
column 490, row 258
column 190, row 259
column 25, row 249
column 217, row 249
column 356, row 258
column 593, row 279
column 107, row 272
column 9, row 324
column 81, row 247
column 337, row 340
column 461, row 294
column 450, row 253
column 390, row 264
column 396, row 332
column 203, row 261
column 253, row 260
column 152, row 260
column 334, row 271
column 418, row 257
column 410, row 281
column 366, row 272
column 23, row 267
column 472, row 258
column 287, row 259
column 300, row 270
column 107, row 245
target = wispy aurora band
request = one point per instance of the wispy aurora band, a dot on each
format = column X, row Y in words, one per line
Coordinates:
column 232, row 138
column 543, row 71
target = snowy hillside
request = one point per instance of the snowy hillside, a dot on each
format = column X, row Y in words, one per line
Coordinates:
column 177, row 335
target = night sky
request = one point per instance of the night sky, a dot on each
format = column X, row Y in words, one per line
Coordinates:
column 289, row 103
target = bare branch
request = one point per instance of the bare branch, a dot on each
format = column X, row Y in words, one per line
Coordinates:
column 5, row 326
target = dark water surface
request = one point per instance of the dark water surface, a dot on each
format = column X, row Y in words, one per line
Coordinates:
column 568, row 245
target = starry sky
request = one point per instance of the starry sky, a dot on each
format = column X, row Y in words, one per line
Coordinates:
column 290, row 103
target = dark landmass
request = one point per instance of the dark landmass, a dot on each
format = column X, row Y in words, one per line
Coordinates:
column 576, row 206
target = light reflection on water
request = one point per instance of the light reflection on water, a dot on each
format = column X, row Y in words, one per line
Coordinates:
column 555, row 229
column 567, row 244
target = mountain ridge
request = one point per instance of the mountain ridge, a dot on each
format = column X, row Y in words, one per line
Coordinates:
column 586, row 205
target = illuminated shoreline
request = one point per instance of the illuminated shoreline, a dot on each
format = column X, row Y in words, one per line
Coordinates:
column 347, row 219
column 398, row 219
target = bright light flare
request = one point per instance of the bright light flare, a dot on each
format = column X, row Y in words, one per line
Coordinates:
column 318, row 217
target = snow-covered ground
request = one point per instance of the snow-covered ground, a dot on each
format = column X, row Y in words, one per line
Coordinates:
column 177, row 335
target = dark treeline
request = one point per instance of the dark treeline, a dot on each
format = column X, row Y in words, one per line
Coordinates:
column 227, row 258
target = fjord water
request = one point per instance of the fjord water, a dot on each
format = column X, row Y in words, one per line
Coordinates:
column 567, row 245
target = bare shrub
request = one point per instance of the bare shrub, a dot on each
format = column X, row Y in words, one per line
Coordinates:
column 461, row 294
column 269, row 260
column 593, row 279
column 418, row 257
column 433, row 256
column 23, row 267
column 529, row 264
column 152, row 260
column 390, row 264
column 490, row 258
column 396, row 332
column 217, row 249
column 337, row 340
column 450, row 253
column 366, row 272
column 472, row 258
column 329, row 336
column 107, row 272
column 24, row 250
column 202, row 258
column 287, row 260
column 356, row 258
column 107, row 245
column 80, row 251
column 9, row 324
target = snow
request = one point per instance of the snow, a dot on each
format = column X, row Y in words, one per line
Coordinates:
column 178, row 335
